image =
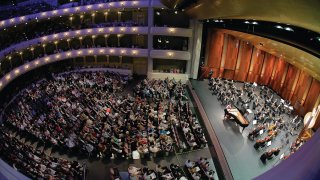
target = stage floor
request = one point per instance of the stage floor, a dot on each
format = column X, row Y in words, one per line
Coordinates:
column 243, row 159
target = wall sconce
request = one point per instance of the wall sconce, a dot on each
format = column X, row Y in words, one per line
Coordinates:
column 26, row 66
column 8, row 77
column 170, row 54
column 36, row 62
column 47, row 59
column 134, row 52
column 172, row 30
column 17, row 71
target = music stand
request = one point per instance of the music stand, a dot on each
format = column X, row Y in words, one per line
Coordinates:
column 261, row 131
column 269, row 143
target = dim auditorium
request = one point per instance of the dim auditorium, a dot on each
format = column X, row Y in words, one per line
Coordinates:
column 159, row 89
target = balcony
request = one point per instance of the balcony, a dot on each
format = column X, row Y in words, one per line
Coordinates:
column 132, row 52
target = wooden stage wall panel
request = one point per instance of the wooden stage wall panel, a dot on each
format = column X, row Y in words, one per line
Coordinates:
column 289, row 82
column 232, row 53
column 216, row 40
column 313, row 95
column 301, row 89
column 280, row 74
column 243, row 62
column 268, row 65
column 255, row 65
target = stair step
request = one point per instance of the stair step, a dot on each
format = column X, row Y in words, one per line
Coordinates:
column 22, row 139
column 34, row 145
column 40, row 148
column 48, row 151
column 27, row 142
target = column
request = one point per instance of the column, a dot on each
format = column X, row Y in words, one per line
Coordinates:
column 150, row 36
column 95, row 59
column 195, row 49
column 120, row 58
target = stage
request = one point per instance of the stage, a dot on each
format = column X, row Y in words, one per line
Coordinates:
column 243, row 159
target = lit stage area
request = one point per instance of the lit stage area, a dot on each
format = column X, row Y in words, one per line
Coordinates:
column 243, row 159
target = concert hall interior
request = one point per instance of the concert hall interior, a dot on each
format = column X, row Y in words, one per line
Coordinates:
column 159, row 89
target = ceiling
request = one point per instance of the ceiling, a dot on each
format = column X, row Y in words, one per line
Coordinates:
column 301, row 13
column 294, row 56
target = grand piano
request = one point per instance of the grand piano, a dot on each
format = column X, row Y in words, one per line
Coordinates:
column 235, row 115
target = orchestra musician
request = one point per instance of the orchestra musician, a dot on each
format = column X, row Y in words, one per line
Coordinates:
column 255, row 132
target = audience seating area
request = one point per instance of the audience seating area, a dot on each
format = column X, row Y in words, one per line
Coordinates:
column 200, row 169
column 272, row 117
column 171, row 172
column 91, row 114
column 34, row 163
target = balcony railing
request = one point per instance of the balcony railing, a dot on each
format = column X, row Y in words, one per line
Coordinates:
column 93, row 32
column 76, row 10
column 132, row 52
